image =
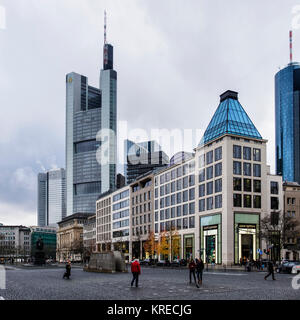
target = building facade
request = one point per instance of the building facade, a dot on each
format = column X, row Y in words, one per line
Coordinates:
column 142, row 158
column 287, row 116
column 15, row 243
column 89, row 237
column 51, row 197
column 48, row 235
column 69, row 243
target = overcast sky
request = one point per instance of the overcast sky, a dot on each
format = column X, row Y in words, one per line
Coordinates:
column 174, row 58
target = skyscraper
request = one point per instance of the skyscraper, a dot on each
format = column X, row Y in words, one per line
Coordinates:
column 143, row 157
column 89, row 110
column 51, row 197
column 287, row 117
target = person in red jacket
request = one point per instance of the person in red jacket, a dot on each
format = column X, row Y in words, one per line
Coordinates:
column 136, row 271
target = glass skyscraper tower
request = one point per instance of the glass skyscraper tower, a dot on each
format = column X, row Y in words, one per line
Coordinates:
column 287, row 117
column 88, row 111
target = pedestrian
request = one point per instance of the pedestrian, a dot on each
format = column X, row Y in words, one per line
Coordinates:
column 192, row 267
column 270, row 270
column 199, row 269
column 68, row 270
column 136, row 271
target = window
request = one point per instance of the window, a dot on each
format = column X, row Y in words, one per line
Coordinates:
column 173, row 212
column 178, row 197
column 192, row 222
column 218, row 169
column 192, row 208
column 162, row 203
column 185, row 196
column 162, row 226
column 178, row 211
column 247, row 169
column 202, row 175
column 173, row 174
column 247, row 201
column 162, row 191
column 201, row 205
column 178, row 224
column 210, row 203
column 274, row 203
column 87, row 146
column 209, row 188
column 257, row 170
column 218, row 201
column 237, row 200
column 179, row 185
column 167, row 201
column 192, row 180
column 185, row 223
column 87, row 188
column 237, row 184
column 209, row 172
column 237, row 167
column 247, row 185
column 185, row 209
column 162, row 179
column 218, row 185
column 162, row 214
column 274, row 187
column 209, row 157
column 173, row 198
column 201, row 161
column 167, row 214
column 256, row 155
column 247, row 153
column 167, row 188
column 256, row 186
column 202, row 190
column 173, row 187
column 179, row 172
column 156, row 216
column 237, row 152
column 257, row 202
column 156, row 193
column 218, row 154
column 185, row 182
column 185, row 169
column 192, row 194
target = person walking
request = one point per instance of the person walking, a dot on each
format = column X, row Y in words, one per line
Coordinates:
column 192, row 267
column 136, row 271
column 270, row 270
column 68, row 270
column 199, row 270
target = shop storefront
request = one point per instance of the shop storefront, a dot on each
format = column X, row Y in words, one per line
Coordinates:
column 188, row 246
column 210, row 239
column 246, row 239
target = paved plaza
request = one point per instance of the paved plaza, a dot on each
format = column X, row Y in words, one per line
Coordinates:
column 155, row 283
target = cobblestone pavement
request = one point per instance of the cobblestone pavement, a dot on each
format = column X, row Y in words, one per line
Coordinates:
column 155, row 283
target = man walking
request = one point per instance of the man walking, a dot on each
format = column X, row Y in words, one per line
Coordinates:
column 68, row 270
column 199, row 269
column 192, row 267
column 136, row 271
column 270, row 270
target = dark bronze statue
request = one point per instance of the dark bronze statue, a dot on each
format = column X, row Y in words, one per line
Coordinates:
column 40, row 244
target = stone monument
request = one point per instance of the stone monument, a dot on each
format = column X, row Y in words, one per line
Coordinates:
column 39, row 257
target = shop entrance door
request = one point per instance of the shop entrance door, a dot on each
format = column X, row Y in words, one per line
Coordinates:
column 211, row 248
column 247, row 245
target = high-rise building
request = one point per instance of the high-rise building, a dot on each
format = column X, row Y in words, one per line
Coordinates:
column 142, row 158
column 287, row 116
column 51, row 197
column 89, row 110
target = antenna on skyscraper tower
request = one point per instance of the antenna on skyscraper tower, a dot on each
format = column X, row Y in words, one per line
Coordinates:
column 291, row 46
column 105, row 24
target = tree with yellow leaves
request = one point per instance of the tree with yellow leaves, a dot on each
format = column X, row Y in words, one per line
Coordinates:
column 150, row 245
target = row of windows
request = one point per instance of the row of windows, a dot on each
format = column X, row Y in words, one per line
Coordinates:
column 139, row 230
column 209, row 157
column 176, row 173
column 237, row 201
column 121, row 214
column 184, row 196
column 237, row 153
column 139, row 209
column 185, row 223
column 142, row 197
column 210, row 188
column 173, row 212
column 176, row 186
column 121, row 224
column 121, row 233
column 211, row 203
column 86, row 146
column 247, row 169
column 121, row 195
column 121, row 205
column 87, row 188
column 141, row 220
column 247, row 185
column 210, row 172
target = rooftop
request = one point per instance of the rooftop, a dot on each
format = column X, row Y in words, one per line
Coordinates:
column 230, row 118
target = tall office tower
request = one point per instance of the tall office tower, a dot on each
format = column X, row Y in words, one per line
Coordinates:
column 89, row 110
column 83, row 172
column 108, row 87
column 51, row 197
column 42, row 200
column 287, row 117
column 143, row 157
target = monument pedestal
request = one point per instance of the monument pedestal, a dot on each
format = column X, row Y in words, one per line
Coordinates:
column 39, row 258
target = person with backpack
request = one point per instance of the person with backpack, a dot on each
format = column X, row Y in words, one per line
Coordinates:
column 270, row 270
column 68, row 270
column 136, row 271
